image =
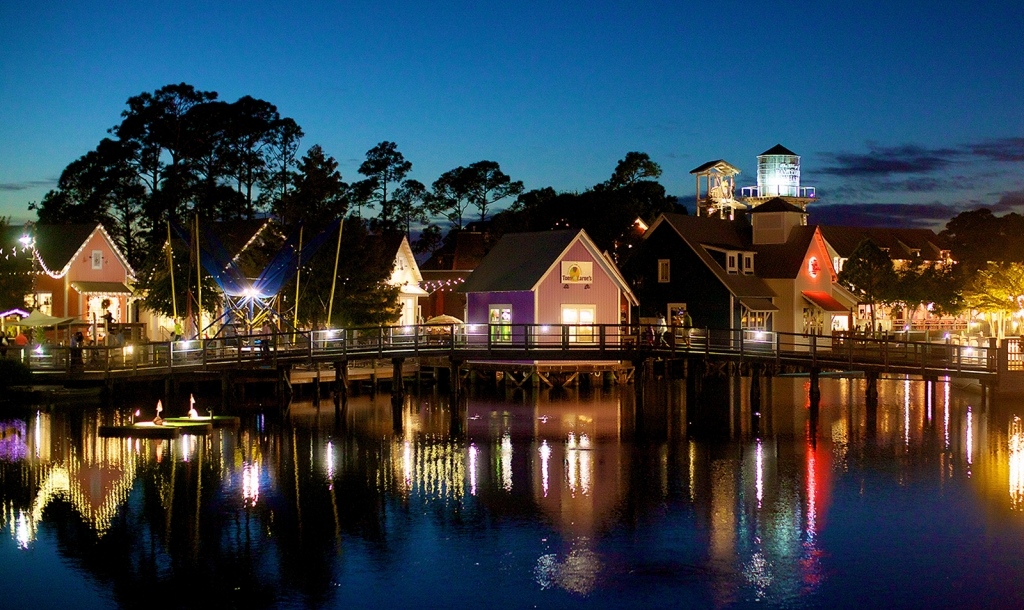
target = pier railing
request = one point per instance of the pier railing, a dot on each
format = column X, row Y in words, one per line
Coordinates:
column 526, row 341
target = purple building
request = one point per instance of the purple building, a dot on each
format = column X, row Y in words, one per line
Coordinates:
column 530, row 284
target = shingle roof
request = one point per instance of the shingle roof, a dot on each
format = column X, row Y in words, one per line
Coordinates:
column 57, row 244
column 700, row 232
column 898, row 242
column 779, row 149
column 724, row 165
column 783, row 261
column 776, row 204
column 518, row 261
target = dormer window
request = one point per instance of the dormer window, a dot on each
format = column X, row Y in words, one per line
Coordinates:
column 748, row 263
column 731, row 263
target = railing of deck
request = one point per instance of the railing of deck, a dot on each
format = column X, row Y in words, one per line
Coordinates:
column 616, row 341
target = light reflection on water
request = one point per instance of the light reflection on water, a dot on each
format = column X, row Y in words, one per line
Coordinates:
column 572, row 497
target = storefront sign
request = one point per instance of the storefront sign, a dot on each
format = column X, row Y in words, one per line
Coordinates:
column 577, row 272
column 813, row 268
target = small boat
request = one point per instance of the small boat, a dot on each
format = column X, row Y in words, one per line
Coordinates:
column 140, row 430
column 217, row 421
column 189, row 426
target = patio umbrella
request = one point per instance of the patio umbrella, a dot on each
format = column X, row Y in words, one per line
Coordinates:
column 445, row 319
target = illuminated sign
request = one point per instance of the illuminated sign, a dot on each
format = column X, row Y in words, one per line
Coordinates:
column 813, row 268
column 577, row 272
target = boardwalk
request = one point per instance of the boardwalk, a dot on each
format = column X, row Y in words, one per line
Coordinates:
column 552, row 344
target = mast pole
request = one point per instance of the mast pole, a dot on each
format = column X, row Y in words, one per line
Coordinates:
column 334, row 278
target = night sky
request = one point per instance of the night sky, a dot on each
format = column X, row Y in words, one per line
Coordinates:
column 904, row 113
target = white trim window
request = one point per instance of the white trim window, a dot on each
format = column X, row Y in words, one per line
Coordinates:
column 97, row 259
column 580, row 320
column 731, row 263
column 664, row 270
column 748, row 263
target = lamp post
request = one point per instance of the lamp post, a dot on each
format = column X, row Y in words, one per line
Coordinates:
column 28, row 242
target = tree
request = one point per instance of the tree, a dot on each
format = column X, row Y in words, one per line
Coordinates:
column 429, row 241
column 998, row 289
column 636, row 166
column 384, row 167
column 410, row 205
column 320, row 193
column 450, row 196
column 869, row 272
column 486, row 184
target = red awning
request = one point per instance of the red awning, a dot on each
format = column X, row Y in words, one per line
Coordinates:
column 824, row 301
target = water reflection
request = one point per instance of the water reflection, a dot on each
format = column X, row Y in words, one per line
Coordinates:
column 576, row 494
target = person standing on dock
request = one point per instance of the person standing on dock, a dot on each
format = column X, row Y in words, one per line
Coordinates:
column 687, row 326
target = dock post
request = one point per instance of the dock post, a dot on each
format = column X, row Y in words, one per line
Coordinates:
column 871, row 389
column 397, row 384
column 815, row 391
column 225, row 390
column 340, row 385
column 316, row 388
column 755, row 389
column 454, row 382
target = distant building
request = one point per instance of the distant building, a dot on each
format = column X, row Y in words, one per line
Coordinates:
column 446, row 270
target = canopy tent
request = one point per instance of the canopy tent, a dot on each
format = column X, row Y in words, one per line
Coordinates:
column 37, row 318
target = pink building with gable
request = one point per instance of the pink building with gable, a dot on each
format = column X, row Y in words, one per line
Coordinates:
column 530, row 282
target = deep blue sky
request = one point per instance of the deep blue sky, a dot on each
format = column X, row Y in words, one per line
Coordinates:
column 887, row 102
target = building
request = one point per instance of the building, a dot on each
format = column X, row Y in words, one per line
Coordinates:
column 546, row 278
column 907, row 248
column 80, row 273
column 703, row 266
column 771, row 275
column 446, row 270
column 405, row 274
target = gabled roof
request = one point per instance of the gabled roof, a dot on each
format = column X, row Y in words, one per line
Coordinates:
column 719, row 164
column 783, row 261
column 776, row 204
column 899, row 243
column 58, row 245
column 464, row 252
column 778, row 149
column 395, row 244
column 699, row 232
column 519, row 261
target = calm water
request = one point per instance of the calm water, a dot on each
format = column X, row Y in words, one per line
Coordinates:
column 543, row 499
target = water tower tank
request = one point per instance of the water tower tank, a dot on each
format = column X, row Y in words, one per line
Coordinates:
column 778, row 172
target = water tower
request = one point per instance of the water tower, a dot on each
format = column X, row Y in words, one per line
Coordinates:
column 778, row 175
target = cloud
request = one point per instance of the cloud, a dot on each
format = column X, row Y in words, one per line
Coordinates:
column 1001, row 149
column 1010, row 201
column 912, row 216
column 24, row 186
column 887, row 161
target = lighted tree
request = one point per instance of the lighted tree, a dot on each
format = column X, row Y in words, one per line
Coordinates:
column 998, row 290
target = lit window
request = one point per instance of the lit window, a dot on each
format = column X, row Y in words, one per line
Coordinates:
column 97, row 259
column 500, row 322
column 663, row 270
